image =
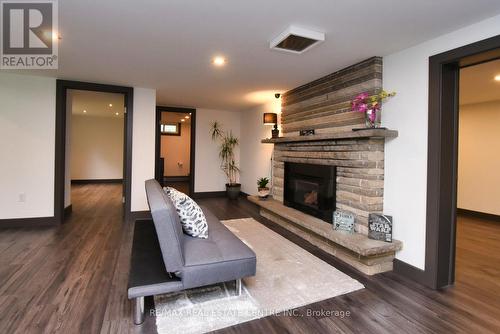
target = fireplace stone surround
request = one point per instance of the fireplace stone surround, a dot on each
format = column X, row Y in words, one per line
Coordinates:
column 339, row 140
column 358, row 159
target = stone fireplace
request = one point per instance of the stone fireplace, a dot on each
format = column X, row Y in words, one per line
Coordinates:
column 338, row 167
column 315, row 175
column 359, row 176
column 310, row 189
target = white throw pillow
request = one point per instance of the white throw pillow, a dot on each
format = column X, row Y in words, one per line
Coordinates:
column 190, row 214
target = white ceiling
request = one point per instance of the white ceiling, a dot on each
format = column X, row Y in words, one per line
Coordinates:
column 477, row 83
column 168, row 45
column 97, row 103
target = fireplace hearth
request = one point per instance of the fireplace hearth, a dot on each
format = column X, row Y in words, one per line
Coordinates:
column 310, row 189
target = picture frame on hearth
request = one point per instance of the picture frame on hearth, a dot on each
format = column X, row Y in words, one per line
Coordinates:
column 380, row 227
column 343, row 221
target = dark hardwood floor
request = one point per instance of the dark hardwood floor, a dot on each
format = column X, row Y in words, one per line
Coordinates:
column 73, row 279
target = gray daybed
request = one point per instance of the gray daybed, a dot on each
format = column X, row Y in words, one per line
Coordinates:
column 164, row 259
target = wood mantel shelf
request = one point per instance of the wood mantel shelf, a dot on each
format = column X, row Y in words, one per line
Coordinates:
column 368, row 133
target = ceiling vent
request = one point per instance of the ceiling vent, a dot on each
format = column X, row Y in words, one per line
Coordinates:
column 297, row 40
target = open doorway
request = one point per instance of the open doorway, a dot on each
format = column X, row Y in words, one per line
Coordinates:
column 95, row 127
column 63, row 170
column 443, row 155
column 478, row 191
column 175, row 140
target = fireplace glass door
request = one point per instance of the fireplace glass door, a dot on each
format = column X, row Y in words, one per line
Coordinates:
column 306, row 192
column 310, row 189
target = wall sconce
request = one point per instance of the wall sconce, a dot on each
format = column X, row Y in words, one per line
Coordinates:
column 272, row 119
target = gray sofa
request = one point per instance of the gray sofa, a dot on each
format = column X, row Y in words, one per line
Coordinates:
column 187, row 262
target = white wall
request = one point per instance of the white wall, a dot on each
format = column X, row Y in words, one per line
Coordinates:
column 479, row 158
column 208, row 175
column 255, row 156
column 96, row 147
column 406, row 156
column 143, row 145
column 27, row 145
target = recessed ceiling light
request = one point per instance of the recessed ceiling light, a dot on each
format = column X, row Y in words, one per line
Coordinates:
column 110, row 105
column 186, row 117
column 497, row 77
column 219, row 61
column 183, row 120
column 84, row 111
column 117, row 113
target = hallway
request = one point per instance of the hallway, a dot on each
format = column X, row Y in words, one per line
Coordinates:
column 67, row 279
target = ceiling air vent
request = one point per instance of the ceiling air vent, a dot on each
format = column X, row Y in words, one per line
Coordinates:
column 297, row 40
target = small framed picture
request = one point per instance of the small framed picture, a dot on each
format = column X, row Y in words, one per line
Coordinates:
column 380, row 227
column 343, row 221
column 306, row 132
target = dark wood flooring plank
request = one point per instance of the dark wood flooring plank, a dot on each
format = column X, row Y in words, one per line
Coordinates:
column 73, row 279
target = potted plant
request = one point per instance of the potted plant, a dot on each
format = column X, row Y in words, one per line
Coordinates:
column 263, row 188
column 228, row 143
column 370, row 105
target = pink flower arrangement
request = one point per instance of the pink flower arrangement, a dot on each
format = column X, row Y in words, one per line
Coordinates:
column 370, row 105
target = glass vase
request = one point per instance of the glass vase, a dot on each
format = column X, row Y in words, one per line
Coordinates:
column 368, row 120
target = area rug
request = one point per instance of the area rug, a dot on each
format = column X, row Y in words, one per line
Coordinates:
column 287, row 277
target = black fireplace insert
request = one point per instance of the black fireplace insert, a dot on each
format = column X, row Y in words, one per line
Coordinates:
column 311, row 189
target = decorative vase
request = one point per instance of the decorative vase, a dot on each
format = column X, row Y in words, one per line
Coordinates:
column 263, row 192
column 375, row 123
column 275, row 133
column 233, row 190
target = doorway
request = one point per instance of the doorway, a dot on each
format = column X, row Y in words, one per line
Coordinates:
column 64, row 105
column 478, row 188
column 95, row 127
column 442, row 169
column 175, row 147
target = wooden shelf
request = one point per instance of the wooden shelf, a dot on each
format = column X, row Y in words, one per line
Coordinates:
column 368, row 133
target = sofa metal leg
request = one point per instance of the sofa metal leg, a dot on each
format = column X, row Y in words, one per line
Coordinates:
column 238, row 287
column 138, row 306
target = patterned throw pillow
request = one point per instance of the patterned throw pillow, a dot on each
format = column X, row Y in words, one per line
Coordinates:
column 190, row 214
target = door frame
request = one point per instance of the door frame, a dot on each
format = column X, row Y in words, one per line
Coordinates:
column 192, row 144
column 442, row 159
column 62, row 87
